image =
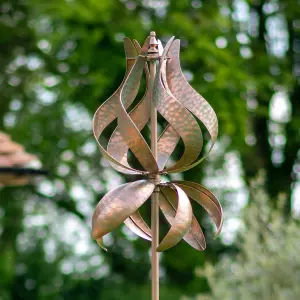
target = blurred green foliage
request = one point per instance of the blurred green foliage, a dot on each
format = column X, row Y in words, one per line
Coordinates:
column 268, row 264
column 61, row 59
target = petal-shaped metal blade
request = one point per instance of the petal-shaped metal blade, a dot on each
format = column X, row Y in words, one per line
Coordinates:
column 107, row 197
column 100, row 243
column 117, row 205
column 191, row 99
column 160, row 48
column 128, row 129
column 203, row 189
column 166, row 145
column 169, row 138
column 206, row 199
column 107, row 112
column 140, row 115
column 137, row 225
column 194, row 236
column 182, row 221
column 179, row 118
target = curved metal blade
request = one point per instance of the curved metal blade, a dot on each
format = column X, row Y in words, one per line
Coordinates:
column 194, row 237
column 137, row 225
column 206, row 199
column 179, row 118
column 107, row 112
column 100, row 243
column 129, row 131
column 191, row 99
column 169, row 138
column 160, row 48
column 182, row 221
column 140, row 115
column 117, row 205
column 166, row 145
column 203, row 189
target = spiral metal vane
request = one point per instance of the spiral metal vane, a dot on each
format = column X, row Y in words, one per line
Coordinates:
column 178, row 104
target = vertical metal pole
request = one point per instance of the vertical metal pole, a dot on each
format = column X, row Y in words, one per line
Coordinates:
column 154, row 202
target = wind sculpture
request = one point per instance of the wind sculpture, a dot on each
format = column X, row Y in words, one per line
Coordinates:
column 169, row 94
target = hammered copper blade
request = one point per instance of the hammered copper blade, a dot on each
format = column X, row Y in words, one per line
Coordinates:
column 182, row 220
column 169, row 138
column 194, row 237
column 128, row 129
column 117, row 205
column 94, row 234
column 107, row 112
column 206, row 201
column 191, row 99
column 140, row 115
column 110, row 195
column 179, row 118
column 137, row 225
column 166, row 145
column 101, row 244
column 203, row 189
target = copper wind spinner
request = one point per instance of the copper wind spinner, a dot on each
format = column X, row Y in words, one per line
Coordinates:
column 169, row 94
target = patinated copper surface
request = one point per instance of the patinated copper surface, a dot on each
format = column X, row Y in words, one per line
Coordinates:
column 180, row 105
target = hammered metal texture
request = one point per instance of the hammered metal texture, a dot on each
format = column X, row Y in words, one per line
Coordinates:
column 166, row 145
column 140, row 115
column 107, row 112
column 179, row 118
column 180, row 105
column 206, row 199
column 138, row 226
column 119, row 204
column 193, row 101
column 203, row 190
column 169, row 138
column 182, row 221
column 128, row 129
column 194, row 237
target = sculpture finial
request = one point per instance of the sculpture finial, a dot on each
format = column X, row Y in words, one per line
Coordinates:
column 153, row 51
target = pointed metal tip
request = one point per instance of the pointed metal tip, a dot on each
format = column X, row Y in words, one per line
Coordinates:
column 129, row 48
column 100, row 243
column 217, row 234
column 153, row 40
column 153, row 50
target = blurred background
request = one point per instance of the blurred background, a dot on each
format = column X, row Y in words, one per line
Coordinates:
column 61, row 59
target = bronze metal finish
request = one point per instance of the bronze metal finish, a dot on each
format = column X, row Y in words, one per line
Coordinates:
column 153, row 55
column 169, row 94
